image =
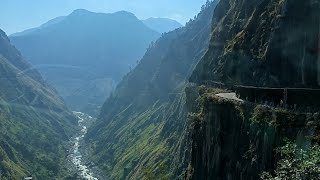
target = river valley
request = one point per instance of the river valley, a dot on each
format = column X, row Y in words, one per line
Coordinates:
column 77, row 163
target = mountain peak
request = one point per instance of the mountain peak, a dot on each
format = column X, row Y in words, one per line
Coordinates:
column 80, row 12
column 84, row 12
column 125, row 14
column 92, row 42
column 162, row 25
column 3, row 35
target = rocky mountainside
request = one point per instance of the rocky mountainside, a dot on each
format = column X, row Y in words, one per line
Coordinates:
column 234, row 140
column 272, row 43
column 34, row 123
column 264, row 43
column 84, row 54
column 162, row 25
column 142, row 126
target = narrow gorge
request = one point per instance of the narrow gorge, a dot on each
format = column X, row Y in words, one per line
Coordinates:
column 77, row 163
column 231, row 95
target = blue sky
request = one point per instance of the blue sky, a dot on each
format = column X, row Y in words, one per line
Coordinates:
column 18, row 15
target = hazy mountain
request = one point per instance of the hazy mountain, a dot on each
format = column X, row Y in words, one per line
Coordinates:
column 47, row 24
column 141, row 126
column 34, row 122
column 85, row 54
column 162, row 25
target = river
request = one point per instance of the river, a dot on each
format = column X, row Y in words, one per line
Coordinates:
column 77, row 164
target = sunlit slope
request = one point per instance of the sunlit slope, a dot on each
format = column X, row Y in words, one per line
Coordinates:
column 141, row 128
column 34, row 122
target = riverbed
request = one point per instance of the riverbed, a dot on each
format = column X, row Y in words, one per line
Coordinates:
column 76, row 162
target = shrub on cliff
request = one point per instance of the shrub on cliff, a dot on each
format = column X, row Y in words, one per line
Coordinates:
column 296, row 163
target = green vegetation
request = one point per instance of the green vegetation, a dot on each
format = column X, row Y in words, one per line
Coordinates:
column 141, row 137
column 34, row 123
column 263, row 115
column 141, row 131
column 249, row 46
column 162, row 173
column 296, row 163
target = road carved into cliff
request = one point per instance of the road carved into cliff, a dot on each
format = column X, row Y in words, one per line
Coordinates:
column 231, row 96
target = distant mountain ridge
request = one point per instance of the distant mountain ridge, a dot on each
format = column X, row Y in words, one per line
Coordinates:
column 162, row 25
column 47, row 24
column 84, row 54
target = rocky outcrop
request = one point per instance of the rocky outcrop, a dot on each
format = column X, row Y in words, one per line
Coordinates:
column 233, row 140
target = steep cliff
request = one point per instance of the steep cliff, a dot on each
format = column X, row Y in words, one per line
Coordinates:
column 142, row 125
column 234, row 140
column 264, row 43
column 34, row 122
column 268, row 43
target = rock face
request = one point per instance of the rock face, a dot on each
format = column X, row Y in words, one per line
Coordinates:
column 84, row 54
column 34, row 122
column 264, row 43
column 233, row 140
column 141, row 129
column 268, row 43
